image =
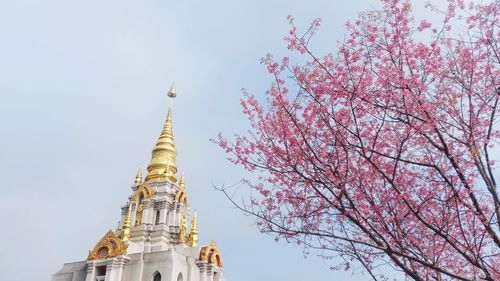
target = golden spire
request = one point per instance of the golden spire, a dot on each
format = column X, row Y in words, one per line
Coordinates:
column 138, row 177
column 193, row 234
column 163, row 156
column 182, row 232
column 127, row 223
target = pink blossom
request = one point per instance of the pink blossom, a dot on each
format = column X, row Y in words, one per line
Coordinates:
column 424, row 24
column 383, row 147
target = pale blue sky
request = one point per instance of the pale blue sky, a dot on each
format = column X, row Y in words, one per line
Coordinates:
column 82, row 102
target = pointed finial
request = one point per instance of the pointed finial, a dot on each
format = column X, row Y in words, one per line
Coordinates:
column 182, row 233
column 193, row 234
column 138, row 177
column 127, row 223
column 172, row 93
column 167, row 173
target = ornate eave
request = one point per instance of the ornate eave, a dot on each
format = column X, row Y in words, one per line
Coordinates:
column 109, row 246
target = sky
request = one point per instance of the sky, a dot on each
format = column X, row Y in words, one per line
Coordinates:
column 82, row 101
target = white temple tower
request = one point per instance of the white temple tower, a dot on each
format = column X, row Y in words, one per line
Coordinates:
column 152, row 242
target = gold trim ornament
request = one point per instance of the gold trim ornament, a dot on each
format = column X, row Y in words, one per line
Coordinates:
column 146, row 190
column 109, row 246
column 180, row 195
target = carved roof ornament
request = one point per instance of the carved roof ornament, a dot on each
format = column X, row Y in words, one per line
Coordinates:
column 211, row 254
column 109, row 246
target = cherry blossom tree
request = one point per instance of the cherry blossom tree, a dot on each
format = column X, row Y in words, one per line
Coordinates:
column 380, row 153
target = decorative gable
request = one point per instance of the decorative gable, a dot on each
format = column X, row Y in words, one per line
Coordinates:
column 211, row 254
column 109, row 246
